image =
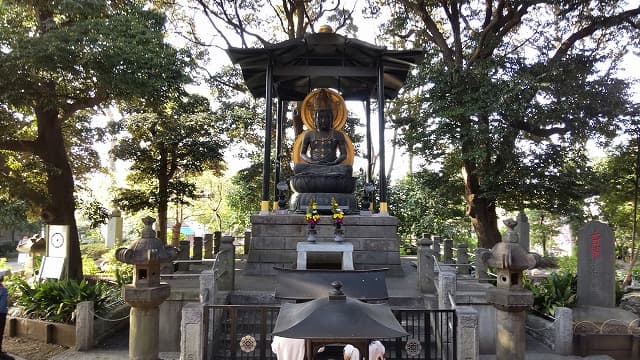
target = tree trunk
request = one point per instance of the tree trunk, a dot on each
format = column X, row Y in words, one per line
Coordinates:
column 163, row 194
column 482, row 211
column 60, row 184
column 163, row 185
column 175, row 234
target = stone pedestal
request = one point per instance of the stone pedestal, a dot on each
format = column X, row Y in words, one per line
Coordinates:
column 274, row 239
column 511, row 315
column 511, row 336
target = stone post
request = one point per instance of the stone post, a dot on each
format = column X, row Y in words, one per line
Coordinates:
column 114, row 229
column 192, row 332
column 448, row 251
column 226, row 264
column 463, row 259
column 247, row 242
column 183, row 255
column 208, row 291
column 426, row 274
column 208, row 296
column 523, row 230
column 481, row 268
column 217, row 236
column 208, row 246
column 436, row 246
column 467, row 333
column 84, row 325
column 197, row 248
column 446, row 286
column 563, row 327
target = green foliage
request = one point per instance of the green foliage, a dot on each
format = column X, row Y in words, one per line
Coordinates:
column 62, row 60
column 56, row 301
column 544, row 226
column 15, row 214
column 244, row 195
column 517, row 117
column 558, row 289
column 122, row 272
column 167, row 145
column 429, row 202
column 617, row 174
column 89, row 266
column 94, row 250
column 95, row 213
column 568, row 264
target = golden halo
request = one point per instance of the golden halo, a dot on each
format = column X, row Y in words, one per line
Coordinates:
column 339, row 109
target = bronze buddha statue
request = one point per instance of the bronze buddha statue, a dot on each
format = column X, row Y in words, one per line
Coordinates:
column 323, row 155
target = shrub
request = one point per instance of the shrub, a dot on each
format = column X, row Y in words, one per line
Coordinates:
column 56, row 301
column 559, row 289
column 94, row 250
column 568, row 264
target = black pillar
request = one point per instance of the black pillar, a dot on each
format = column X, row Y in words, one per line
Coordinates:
column 369, row 144
column 383, row 180
column 266, row 167
column 279, row 130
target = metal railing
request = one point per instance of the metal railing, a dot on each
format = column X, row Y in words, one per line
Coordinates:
column 243, row 332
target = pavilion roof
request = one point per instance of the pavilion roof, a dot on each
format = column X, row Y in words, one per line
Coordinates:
column 324, row 60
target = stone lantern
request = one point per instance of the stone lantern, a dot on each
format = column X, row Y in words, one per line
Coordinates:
column 509, row 297
column 147, row 292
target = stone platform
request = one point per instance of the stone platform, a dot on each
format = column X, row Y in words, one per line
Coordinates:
column 274, row 240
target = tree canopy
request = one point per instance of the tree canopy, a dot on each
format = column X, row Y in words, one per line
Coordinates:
column 167, row 146
column 59, row 61
column 518, row 88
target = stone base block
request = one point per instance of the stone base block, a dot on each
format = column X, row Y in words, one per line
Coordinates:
column 274, row 239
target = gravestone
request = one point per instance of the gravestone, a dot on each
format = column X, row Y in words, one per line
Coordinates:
column 208, row 246
column 114, row 229
column 523, row 230
column 596, row 265
column 197, row 248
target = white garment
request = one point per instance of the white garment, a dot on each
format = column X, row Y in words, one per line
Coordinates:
column 376, row 351
column 287, row 348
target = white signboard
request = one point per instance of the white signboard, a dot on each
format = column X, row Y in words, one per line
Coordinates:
column 52, row 268
column 57, row 242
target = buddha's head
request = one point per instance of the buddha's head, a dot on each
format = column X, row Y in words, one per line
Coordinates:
column 323, row 110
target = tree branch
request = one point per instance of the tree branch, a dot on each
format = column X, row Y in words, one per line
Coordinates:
column 542, row 132
column 598, row 23
column 83, row 103
column 22, row 146
column 434, row 35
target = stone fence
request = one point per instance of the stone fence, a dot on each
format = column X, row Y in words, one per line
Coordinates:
column 88, row 330
column 557, row 334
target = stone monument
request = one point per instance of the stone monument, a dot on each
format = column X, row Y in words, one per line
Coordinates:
column 596, row 265
column 114, row 229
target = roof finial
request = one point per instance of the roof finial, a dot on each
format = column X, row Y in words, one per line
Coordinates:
column 325, row 29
